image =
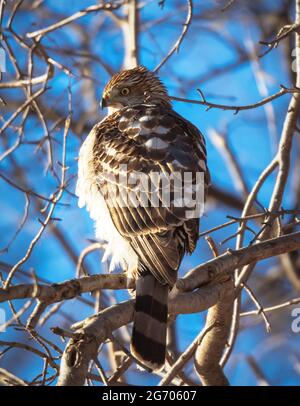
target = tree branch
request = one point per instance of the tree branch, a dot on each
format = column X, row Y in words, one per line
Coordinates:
column 235, row 108
column 97, row 7
column 234, row 259
column 83, row 347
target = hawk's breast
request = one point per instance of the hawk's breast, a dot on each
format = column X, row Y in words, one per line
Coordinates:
column 118, row 249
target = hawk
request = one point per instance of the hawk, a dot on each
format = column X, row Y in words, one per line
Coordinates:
column 142, row 134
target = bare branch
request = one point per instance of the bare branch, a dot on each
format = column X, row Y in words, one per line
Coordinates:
column 97, row 7
column 233, row 259
column 177, row 44
column 237, row 109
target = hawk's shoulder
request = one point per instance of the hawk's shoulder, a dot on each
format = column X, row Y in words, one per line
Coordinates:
column 154, row 133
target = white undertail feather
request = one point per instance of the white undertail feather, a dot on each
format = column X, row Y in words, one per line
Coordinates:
column 118, row 250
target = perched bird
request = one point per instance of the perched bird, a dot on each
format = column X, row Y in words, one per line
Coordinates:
column 142, row 134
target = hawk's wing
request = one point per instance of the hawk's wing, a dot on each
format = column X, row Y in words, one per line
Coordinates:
column 133, row 147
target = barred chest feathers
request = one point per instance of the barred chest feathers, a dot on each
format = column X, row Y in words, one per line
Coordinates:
column 117, row 248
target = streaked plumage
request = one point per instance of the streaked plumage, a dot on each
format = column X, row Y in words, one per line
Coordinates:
column 146, row 135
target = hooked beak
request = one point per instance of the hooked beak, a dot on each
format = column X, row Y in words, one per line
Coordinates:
column 103, row 103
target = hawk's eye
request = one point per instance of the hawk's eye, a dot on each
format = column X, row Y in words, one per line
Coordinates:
column 125, row 91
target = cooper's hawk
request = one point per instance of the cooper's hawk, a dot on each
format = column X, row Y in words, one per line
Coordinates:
column 143, row 135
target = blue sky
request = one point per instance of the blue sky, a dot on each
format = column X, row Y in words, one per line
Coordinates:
column 248, row 135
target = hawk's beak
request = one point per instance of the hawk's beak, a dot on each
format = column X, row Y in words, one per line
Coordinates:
column 103, row 103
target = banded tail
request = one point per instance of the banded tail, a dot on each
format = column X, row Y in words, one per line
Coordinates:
column 149, row 333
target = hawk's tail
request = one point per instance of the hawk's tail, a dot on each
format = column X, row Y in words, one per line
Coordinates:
column 149, row 333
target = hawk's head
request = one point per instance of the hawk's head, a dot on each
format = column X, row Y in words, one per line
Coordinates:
column 134, row 86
